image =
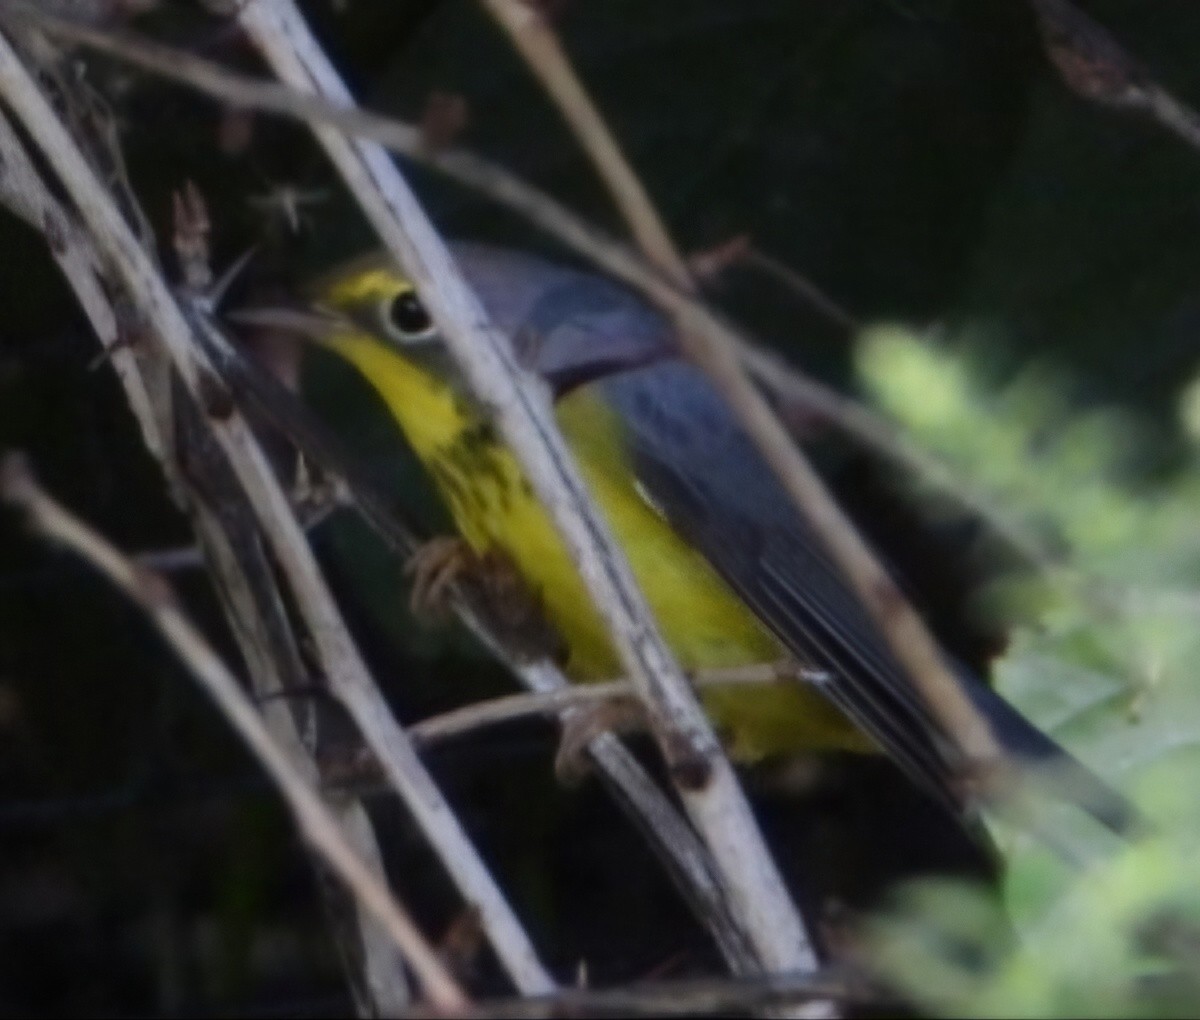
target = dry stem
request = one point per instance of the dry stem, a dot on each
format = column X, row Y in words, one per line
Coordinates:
column 24, row 192
column 495, row 711
column 544, row 212
column 712, row 346
column 347, row 675
column 709, row 787
column 537, row 42
column 152, row 594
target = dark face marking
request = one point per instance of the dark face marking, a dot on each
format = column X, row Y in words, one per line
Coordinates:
column 471, row 470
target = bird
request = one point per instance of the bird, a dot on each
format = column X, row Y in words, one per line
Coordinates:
column 734, row 574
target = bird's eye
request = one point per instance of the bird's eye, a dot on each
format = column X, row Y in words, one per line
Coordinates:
column 405, row 318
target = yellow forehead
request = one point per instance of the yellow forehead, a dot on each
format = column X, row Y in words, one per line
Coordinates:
column 366, row 285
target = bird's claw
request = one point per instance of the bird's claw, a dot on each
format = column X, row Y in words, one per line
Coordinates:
column 435, row 567
column 583, row 725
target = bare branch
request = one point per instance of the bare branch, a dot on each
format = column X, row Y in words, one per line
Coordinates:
column 247, row 588
column 495, row 711
column 540, row 209
column 153, row 595
column 798, row 394
column 347, row 675
column 24, row 192
column 714, row 348
column 1095, row 66
column 761, row 995
column 537, row 42
column 704, row 777
column 803, row 287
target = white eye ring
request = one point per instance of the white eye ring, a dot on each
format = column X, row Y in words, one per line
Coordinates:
column 404, row 318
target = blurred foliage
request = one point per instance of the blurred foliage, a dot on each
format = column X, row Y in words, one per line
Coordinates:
column 1108, row 665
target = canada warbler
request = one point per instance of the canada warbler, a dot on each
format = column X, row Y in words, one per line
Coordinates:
column 732, row 571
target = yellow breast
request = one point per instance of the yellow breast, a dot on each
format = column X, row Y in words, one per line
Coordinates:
column 494, row 507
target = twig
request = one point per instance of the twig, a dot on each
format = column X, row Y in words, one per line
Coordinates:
column 23, row 191
column 247, row 588
column 670, row 837
column 1095, row 66
column 534, row 39
column 704, row 777
column 346, row 673
column 714, row 348
column 796, row 392
column 693, row 997
column 539, row 208
column 496, row 711
column 709, row 264
column 802, row 286
column 152, row 594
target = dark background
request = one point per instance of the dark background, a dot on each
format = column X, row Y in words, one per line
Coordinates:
column 917, row 159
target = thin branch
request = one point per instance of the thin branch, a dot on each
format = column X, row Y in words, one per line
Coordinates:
column 460, row 722
column 704, row 777
column 539, row 208
column 802, row 286
column 687, row 861
column 246, row 586
column 23, row 191
column 798, row 393
column 152, row 594
column 762, row 995
column 712, row 346
column 537, row 42
column 1094, row 65
column 347, row 674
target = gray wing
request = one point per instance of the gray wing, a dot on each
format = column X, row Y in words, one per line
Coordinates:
column 709, row 480
column 703, row 472
column 714, row 488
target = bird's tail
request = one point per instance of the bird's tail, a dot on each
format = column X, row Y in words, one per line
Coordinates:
column 1057, row 770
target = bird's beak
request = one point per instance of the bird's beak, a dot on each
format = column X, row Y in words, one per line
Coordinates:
column 307, row 323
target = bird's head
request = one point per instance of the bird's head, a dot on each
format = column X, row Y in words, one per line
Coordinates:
column 567, row 326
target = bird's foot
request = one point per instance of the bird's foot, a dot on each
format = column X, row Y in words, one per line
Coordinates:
column 492, row 587
column 583, row 725
column 435, row 567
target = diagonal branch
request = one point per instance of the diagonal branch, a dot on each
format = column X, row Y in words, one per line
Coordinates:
column 712, row 346
column 369, row 951
column 537, row 42
column 497, row 711
column 543, row 211
column 345, row 670
column 151, row 593
column 1095, row 66
column 672, row 839
column 705, row 779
